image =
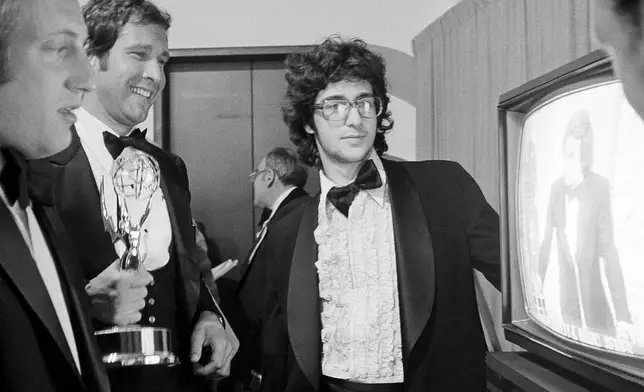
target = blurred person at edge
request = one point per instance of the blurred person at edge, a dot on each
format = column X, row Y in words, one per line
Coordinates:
column 46, row 337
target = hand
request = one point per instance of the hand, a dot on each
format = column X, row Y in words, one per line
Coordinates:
column 118, row 296
column 212, row 340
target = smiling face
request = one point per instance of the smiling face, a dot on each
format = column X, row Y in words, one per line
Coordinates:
column 129, row 80
column 346, row 141
column 48, row 75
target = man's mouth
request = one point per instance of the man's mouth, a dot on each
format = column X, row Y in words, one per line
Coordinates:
column 68, row 112
column 142, row 92
column 68, row 109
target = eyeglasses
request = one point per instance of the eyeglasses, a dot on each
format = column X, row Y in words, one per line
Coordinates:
column 252, row 176
column 339, row 109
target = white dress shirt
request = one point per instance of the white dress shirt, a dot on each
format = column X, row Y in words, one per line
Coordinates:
column 35, row 241
column 361, row 330
column 156, row 231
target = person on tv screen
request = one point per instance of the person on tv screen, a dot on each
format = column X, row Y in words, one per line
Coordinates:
column 370, row 286
column 579, row 218
column 618, row 27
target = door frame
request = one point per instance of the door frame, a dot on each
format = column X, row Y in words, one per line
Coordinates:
column 209, row 55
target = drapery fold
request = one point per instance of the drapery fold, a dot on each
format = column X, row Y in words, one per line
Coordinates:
column 466, row 59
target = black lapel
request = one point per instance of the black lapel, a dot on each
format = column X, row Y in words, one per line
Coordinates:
column 72, row 280
column 16, row 260
column 78, row 202
column 303, row 301
column 414, row 256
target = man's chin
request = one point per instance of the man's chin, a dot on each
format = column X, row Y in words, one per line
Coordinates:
column 62, row 140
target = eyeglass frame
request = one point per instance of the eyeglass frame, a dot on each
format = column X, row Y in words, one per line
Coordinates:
column 255, row 173
column 352, row 104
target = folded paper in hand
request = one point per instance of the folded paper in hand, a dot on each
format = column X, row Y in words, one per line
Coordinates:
column 223, row 268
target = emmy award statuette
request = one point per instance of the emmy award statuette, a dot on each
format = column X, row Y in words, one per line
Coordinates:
column 136, row 177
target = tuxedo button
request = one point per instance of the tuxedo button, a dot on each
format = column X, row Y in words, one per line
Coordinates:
column 151, row 319
column 151, row 301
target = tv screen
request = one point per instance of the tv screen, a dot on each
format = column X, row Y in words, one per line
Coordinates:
column 580, row 204
column 572, row 213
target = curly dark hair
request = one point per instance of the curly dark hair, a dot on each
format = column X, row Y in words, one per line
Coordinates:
column 105, row 20
column 310, row 72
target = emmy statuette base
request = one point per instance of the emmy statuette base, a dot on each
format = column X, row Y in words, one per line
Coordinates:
column 133, row 345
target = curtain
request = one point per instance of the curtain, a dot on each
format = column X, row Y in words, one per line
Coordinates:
column 464, row 61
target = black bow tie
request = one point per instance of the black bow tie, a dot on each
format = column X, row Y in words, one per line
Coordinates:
column 22, row 179
column 342, row 196
column 115, row 145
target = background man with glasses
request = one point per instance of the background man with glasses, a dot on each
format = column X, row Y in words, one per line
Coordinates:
column 369, row 287
column 278, row 184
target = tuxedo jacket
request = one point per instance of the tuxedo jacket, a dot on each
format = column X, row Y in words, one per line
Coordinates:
column 247, row 304
column 78, row 200
column 443, row 227
column 34, row 354
column 249, row 289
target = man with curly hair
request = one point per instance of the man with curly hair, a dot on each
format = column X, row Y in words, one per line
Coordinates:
column 369, row 287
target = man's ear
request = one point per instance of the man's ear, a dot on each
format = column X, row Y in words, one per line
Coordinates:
column 309, row 129
column 270, row 177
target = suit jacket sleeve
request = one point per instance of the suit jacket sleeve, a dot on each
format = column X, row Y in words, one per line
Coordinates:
column 481, row 223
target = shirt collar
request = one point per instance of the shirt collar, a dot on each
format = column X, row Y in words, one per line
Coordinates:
column 279, row 201
column 90, row 130
column 377, row 194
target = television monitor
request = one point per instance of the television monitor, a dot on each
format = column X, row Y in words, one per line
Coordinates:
column 572, row 222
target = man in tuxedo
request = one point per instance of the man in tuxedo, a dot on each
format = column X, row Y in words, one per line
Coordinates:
column 579, row 217
column 278, row 188
column 278, row 185
column 46, row 339
column 369, row 287
column 128, row 47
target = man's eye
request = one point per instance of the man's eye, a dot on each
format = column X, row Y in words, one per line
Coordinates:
column 337, row 106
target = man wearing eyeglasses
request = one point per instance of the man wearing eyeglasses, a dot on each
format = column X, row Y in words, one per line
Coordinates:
column 369, row 287
column 278, row 184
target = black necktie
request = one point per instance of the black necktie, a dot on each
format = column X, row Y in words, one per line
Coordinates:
column 342, row 196
column 115, row 145
column 21, row 180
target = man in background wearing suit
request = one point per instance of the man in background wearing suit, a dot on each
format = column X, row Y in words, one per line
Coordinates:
column 369, row 287
column 128, row 47
column 278, row 185
column 46, row 338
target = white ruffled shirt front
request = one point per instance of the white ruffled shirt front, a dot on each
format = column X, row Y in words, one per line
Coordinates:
column 361, row 332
